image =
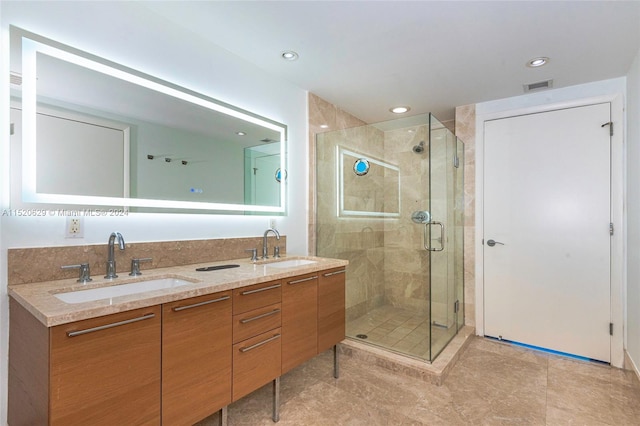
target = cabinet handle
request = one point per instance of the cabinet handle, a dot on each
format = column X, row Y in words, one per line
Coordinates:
column 104, row 327
column 303, row 280
column 244, row 293
column 329, row 274
column 264, row 342
column 195, row 305
column 266, row 314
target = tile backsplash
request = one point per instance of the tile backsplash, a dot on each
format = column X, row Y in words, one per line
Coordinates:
column 29, row 265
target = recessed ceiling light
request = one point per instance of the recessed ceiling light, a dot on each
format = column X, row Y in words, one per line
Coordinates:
column 538, row 62
column 289, row 55
column 400, row 109
column 241, row 133
column 324, row 126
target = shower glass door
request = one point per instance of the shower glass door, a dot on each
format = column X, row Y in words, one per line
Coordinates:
column 446, row 179
column 379, row 189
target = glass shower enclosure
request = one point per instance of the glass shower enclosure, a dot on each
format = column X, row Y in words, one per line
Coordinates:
column 390, row 201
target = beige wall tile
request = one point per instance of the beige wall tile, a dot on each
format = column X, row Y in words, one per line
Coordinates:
column 29, row 265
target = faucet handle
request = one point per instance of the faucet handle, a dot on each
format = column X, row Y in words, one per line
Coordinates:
column 276, row 252
column 254, row 254
column 135, row 265
column 85, row 271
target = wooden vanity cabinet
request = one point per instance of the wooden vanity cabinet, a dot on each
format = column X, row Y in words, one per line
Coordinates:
column 99, row 371
column 331, row 308
column 299, row 320
column 257, row 336
column 196, row 357
column 171, row 364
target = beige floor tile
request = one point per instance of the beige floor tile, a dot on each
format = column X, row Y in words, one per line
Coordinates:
column 492, row 384
column 573, row 392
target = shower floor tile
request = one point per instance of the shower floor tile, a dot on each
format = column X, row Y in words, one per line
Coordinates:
column 397, row 329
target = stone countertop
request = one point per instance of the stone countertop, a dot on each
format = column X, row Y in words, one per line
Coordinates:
column 39, row 299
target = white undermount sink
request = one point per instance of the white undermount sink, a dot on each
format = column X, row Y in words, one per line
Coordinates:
column 81, row 296
column 290, row 263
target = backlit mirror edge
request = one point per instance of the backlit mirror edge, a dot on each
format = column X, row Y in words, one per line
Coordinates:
column 33, row 43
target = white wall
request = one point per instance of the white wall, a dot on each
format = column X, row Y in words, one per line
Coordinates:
column 633, row 213
column 127, row 33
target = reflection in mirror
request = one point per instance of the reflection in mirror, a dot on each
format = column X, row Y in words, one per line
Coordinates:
column 97, row 133
column 367, row 186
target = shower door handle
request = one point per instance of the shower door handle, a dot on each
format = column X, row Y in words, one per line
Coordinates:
column 427, row 239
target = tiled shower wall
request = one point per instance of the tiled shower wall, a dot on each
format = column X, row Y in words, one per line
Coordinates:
column 362, row 243
column 405, row 259
column 386, row 257
column 466, row 131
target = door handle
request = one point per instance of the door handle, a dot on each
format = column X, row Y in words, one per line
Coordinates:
column 427, row 241
column 492, row 243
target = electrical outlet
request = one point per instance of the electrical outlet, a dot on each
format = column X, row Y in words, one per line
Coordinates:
column 272, row 223
column 74, row 227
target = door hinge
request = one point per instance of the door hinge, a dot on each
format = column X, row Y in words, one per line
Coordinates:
column 456, row 307
column 610, row 329
column 12, row 130
column 610, row 228
column 456, row 161
column 610, row 124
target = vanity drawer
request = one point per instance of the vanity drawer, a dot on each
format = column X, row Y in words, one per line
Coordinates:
column 258, row 321
column 256, row 362
column 256, row 296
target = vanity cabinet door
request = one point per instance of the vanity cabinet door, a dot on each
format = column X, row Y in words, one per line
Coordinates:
column 196, row 357
column 299, row 320
column 331, row 308
column 256, row 361
column 106, row 370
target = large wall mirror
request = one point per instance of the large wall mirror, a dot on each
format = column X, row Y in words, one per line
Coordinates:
column 90, row 132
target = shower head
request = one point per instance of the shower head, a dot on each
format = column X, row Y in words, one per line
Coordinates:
column 418, row 149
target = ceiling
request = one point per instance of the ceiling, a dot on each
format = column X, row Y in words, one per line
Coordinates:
column 367, row 56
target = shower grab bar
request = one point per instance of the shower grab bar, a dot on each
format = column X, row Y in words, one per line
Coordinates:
column 427, row 240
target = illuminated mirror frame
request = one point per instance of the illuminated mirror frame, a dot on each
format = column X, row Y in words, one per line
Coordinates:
column 32, row 44
column 340, row 180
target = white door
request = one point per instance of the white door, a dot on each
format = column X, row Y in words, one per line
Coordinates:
column 547, row 207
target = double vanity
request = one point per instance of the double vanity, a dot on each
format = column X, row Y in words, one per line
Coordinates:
column 200, row 327
column 171, row 346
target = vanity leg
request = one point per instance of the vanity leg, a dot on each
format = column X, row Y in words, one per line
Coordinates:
column 223, row 416
column 336, row 364
column 276, row 400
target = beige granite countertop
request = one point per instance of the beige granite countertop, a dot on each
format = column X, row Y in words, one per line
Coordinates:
column 39, row 299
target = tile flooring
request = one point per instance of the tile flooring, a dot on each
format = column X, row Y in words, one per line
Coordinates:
column 492, row 384
column 400, row 330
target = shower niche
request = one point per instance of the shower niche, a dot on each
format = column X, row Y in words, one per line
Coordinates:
column 405, row 280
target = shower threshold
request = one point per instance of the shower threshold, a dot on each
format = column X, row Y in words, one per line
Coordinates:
column 434, row 372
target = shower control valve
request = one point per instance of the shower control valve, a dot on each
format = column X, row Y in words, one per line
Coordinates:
column 421, row 216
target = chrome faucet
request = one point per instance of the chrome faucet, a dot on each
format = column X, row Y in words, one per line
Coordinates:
column 264, row 241
column 111, row 260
